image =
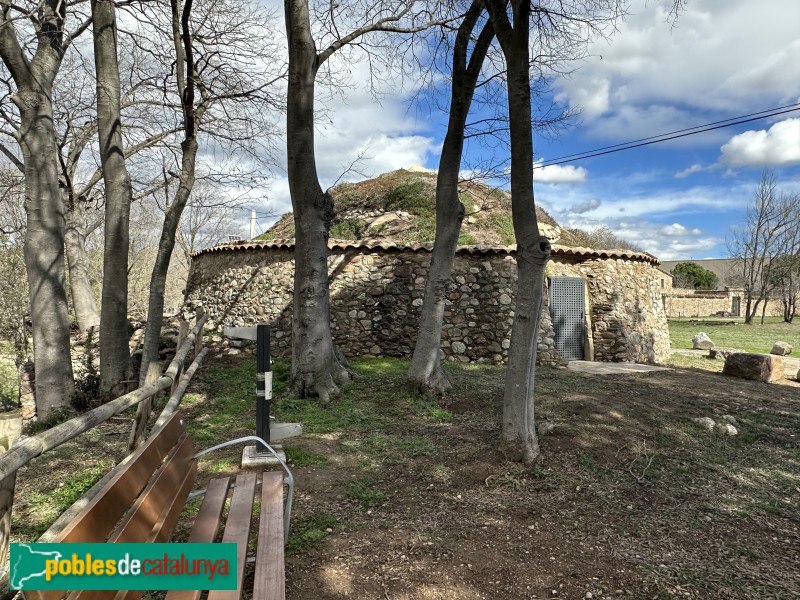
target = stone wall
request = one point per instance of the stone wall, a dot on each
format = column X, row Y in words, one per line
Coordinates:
column 377, row 291
column 698, row 303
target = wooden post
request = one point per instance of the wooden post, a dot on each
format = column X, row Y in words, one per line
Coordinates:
column 10, row 430
column 183, row 332
column 143, row 410
column 198, row 340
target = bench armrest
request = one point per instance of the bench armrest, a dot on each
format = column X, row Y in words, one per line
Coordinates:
column 287, row 510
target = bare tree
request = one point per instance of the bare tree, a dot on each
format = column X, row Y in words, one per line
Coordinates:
column 221, row 83
column 476, row 34
column 114, row 351
column 318, row 368
column 519, row 439
column 33, row 68
column 425, row 373
column 759, row 241
column 561, row 25
column 14, row 291
column 210, row 217
column 789, row 271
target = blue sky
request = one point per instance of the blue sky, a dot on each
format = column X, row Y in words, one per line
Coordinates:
column 678, row 199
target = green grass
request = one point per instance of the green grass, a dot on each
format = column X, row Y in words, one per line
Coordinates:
column 752, row 338
column 504, row 226
column 363, row 491
column 46, row 507
column 228, row 406
column 349, row 229
column 300, row 457
column 308, row 531
column 466, row 239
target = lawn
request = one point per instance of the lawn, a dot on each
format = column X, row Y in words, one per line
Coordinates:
column 733, row 333
column 407, row 498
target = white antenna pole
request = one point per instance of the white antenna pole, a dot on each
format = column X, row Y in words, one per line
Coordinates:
column 252, row 224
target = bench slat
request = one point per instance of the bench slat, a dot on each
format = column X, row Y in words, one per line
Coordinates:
column 237, row 530
column 160, row 533
column 155, row 511
column 162, row 530
column 269, row 579
column 161, row 492
column 101, row 514
column 206, row 525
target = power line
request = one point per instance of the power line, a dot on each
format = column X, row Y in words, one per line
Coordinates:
column 665, row 137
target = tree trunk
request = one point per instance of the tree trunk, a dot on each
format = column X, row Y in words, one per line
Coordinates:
column 166, row 244
column 751, row 311
column 317, row 367
column 80, row 287
column 114, row 350
column 44, row 254
column 425, row 375
column 44, row 207
column 519, row 440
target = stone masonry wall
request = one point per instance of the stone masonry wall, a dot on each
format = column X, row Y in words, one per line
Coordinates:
column 696, row 303
column 376, row 296
column 628, row 323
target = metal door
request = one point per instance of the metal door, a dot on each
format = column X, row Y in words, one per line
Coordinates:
column 567, row 305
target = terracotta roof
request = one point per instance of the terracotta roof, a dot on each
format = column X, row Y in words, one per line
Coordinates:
column 288, row 244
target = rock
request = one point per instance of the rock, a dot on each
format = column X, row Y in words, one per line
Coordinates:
column 545, row 427
column 702, row 342
column 760, row 367
column 727, row 429
column 781, row 349
column 729, row 419
column 706, row 423
column 722, row 353
column 459, row 347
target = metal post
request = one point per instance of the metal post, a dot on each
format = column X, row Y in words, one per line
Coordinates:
column 263, row 385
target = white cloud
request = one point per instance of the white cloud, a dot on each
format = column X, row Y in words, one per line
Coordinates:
column 592, row 96
column 559, row 174
column 695, row 168
column 777, row 146
column 584, row 207
column 678, row 230
column 651, row 77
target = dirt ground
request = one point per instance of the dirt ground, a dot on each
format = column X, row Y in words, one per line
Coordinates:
column 630, row 499
column 404, row 499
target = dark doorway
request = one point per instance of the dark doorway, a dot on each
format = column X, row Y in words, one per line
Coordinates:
column 567, row 305
column 736, row 306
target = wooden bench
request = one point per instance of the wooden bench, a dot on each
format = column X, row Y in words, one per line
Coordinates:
column 143, row 500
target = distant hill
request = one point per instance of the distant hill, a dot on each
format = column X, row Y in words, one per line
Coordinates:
column 400, row 207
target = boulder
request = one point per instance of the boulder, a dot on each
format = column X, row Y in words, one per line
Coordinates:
column 781, row 349
column 702, row 342
column 727, row 429
column 760, row 367
column 722, row 353
column 706, row 423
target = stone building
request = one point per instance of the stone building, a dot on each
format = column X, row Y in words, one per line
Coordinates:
column 600, row 305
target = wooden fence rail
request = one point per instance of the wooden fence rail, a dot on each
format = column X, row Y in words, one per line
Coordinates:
column 28, row 448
